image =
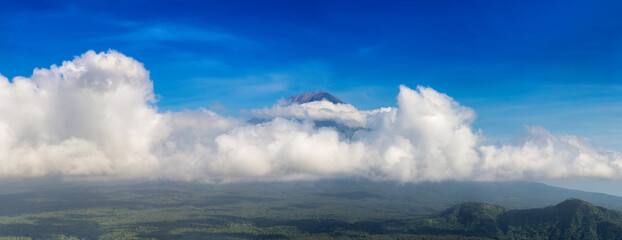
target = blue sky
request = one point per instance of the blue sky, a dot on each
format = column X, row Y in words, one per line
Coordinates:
column 555, row 63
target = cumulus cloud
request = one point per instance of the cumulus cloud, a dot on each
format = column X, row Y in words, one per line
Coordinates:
column 91, row 116
column 96, row 116
column 541, row 154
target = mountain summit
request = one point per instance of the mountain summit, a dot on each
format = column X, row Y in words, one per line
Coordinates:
column 312, row 97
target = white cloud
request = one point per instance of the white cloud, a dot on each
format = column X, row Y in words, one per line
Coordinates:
column 428, row 138
column 96, row 116
column 542, row 155
column 320, row 111
column 90, row 116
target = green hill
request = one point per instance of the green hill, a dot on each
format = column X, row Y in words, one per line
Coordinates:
column 570, row 219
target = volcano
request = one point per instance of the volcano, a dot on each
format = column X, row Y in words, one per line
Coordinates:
column 313, row 97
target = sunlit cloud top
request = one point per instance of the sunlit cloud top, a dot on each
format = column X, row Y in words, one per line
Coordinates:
column 96, row 116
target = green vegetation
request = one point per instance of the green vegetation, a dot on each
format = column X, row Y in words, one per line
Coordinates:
column 344, row 209
column 571, row 219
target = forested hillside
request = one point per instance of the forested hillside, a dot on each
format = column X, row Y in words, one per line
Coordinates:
column 571, row 219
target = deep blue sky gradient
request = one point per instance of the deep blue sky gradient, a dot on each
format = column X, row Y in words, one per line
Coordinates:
column 550, row 63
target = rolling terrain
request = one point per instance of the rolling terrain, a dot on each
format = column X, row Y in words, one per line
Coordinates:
column 347, row 208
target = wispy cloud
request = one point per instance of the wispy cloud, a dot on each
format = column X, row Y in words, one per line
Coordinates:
column 148, row 32
column 174, row 32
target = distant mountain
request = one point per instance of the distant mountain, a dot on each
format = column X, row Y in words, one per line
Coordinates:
column 571, row 219
column 433, row 197
column 313, row 97
column 345, row 131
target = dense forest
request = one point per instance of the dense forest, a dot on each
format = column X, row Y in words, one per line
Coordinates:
column 335, row 209
column 571, row 219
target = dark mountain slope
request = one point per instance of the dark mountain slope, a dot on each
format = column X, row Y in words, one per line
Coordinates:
column 433, row 197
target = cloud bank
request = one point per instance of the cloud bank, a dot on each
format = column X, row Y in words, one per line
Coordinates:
column 96, row 116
